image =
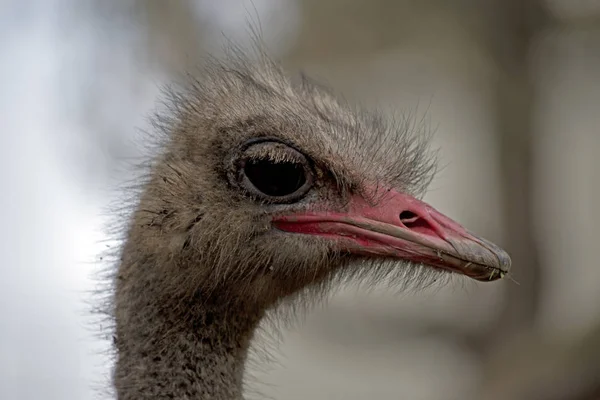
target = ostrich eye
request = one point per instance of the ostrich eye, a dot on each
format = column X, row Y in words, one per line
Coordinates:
column 275, row 172
column 275, row 179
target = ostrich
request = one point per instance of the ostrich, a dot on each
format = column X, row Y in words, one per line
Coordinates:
column 266, row 190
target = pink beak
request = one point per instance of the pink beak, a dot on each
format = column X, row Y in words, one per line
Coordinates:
column 402, row 227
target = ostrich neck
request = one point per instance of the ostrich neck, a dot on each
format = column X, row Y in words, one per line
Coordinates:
column 179, row 349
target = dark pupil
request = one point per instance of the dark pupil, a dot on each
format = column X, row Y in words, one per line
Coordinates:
column 275, row 179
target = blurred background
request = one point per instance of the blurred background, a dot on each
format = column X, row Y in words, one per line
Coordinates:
column 512, row 90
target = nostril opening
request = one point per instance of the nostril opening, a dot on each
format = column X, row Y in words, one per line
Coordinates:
column 408, row 217
column 415, row 223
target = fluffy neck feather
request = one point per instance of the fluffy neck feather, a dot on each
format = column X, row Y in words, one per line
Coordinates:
column 178, row 348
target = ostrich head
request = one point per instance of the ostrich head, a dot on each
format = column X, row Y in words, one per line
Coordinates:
column 264, row 187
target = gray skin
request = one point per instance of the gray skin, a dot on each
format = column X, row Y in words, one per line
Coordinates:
column 201, row 263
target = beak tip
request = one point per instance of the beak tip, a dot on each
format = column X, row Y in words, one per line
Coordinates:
column 504, row 260
column 499, row 271
column 486, row 261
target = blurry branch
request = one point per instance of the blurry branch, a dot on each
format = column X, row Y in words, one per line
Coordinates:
column 509, row 33
column 512, row 27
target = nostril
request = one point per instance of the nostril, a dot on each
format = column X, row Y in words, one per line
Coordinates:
column 415, row 223
column 408, row 217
